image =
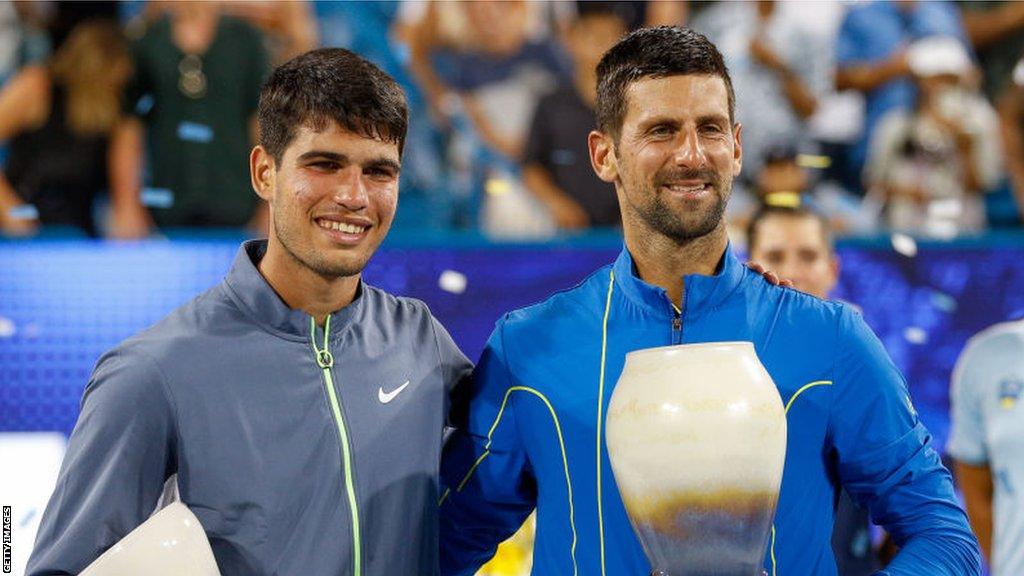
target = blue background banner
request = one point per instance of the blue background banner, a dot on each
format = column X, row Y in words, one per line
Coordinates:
column 64, row 302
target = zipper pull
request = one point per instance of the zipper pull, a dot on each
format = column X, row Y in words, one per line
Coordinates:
column 677, row 323
column 324, row 359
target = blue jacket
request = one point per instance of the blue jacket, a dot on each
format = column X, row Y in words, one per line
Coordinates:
column 541, row 389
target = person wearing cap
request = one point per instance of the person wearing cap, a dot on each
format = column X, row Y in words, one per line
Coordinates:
column 872, row 55
column 932, row 163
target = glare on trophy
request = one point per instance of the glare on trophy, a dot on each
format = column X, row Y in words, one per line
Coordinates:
column 696, row 435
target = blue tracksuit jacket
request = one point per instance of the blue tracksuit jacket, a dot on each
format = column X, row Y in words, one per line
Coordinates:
column 531, row 435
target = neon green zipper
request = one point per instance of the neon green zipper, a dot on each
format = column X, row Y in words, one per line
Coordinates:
column 326, row 361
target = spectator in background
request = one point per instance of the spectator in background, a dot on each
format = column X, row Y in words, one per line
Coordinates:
column 59, row 117
column 786, row 180
column 1011, row 118
column 197, row 82
column 872, row 59
column 289, row 27
column 487, row 81
column 987, row 441
column 778, row 70
column 556, row 163
column 996, row 31
column 932, row 163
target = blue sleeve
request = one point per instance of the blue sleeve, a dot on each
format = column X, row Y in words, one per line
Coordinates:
column 119, row 456
column 886, row 461
column 487, row 486
column 849, row 40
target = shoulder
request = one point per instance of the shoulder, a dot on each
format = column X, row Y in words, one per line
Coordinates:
column 584, row 300
column 799, row 308
column 397, row 315
column 185, row 329
column 1005, row 339
column 401, row 307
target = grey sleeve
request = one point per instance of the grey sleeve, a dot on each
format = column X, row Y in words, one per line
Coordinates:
column 121, row 451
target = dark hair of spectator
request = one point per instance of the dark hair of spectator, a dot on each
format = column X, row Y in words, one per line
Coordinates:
column 653, row 53
column 768, row 210
column 330, row 85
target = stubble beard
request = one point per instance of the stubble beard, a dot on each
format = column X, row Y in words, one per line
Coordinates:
column 309, row 258
column 662, row 218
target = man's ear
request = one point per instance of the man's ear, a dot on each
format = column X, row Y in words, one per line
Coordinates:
column 602, row 156
column 737, row 153
column 262, row 170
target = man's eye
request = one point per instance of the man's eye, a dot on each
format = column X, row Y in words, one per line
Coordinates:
column 380, row 173
column 325, row 165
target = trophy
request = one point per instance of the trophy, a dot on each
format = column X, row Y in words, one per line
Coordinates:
column 170, row 543
column 696, row 435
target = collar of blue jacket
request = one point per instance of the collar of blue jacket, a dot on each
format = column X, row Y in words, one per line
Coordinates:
column 701, row 295
column 255, row 296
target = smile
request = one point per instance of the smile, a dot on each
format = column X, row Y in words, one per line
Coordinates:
column 688, row 190
column 340, row 226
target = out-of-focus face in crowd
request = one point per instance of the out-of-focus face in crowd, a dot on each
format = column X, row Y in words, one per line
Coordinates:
column 796, row 247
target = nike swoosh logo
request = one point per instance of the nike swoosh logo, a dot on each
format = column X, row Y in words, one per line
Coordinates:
column 386, row 397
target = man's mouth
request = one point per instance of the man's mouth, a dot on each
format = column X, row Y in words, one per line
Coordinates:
column 345, row 227
column 687, row 189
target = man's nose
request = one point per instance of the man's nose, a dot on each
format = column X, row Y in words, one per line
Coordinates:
column 690, row 152
column 350, row 192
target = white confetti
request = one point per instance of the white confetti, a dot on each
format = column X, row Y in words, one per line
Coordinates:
column 915, row 335
column 452, row 281
column 904, row 245
column 7, row 328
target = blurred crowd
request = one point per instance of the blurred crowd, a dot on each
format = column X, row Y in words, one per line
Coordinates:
column 125, row 119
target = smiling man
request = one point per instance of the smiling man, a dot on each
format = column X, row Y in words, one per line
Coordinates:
column 301, row 409
column 534, row 435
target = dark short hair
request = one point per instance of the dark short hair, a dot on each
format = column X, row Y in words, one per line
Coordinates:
column 330, row 85
column 653, row 53
column 801, row 210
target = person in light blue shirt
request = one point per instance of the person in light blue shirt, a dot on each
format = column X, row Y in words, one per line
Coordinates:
column 987, row 441
column 534, row 432
column 871, row 54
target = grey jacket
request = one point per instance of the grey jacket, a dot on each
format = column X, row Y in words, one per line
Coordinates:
column 295, row 461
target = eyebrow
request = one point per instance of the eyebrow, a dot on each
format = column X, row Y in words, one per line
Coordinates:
column 705, row 119
column 379, row 162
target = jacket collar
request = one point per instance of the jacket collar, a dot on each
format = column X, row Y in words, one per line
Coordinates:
column 701, row 293
column 251, row 291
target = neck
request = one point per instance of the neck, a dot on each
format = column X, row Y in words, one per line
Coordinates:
column 663, row 261
column 304, row 289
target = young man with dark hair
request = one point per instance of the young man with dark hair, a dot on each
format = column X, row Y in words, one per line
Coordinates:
column 796, row 243
column 534, row 434
column 301, row 409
